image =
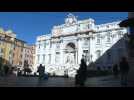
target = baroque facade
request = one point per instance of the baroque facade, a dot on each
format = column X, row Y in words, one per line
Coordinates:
column 63, row 49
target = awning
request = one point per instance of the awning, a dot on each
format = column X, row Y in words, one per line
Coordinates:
column 127, row 22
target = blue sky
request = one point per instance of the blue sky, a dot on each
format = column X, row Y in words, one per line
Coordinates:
column 29, row 25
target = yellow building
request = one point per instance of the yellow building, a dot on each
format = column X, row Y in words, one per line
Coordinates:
column 6, row 46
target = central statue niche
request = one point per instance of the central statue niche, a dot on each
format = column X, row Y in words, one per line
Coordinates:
column 70, row 54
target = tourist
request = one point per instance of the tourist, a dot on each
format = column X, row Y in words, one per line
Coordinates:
column 81, row 74
column 124, row 69
column 41, row 71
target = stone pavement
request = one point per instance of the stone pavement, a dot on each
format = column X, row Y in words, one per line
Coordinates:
column 106, row 81
column 12, row 81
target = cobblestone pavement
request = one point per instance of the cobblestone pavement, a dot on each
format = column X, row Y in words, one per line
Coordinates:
column 107, row 81
column 12, row 81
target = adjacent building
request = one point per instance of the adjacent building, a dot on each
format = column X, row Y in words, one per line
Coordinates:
column 29, row 55
column 23, row 54
column 7, row 39
column 18, row 53
column 15, row 52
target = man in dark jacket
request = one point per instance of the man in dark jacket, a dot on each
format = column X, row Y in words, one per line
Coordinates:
column 81, row 73
column 124, row 69
column 41, row 71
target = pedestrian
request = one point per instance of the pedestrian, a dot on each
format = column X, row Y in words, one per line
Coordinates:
column 115, row 70
column 6, row 69
column 124, row 69
column 41, row 71
column 81, row 74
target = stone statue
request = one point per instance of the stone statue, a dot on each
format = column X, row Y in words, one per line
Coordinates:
column 70, row 58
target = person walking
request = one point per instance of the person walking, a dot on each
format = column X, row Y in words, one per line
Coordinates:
column 81, row 74
column 41, row 71
column 124, row 69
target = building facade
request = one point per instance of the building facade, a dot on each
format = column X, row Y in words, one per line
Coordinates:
column 15, row 52
column 63, row 49
column 7, row 39
column 18, row 53
column 33, row 56
column 29, row 55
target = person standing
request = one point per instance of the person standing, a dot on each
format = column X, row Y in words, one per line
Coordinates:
column 124, row 69
column 41, row 71
column 81, row 74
